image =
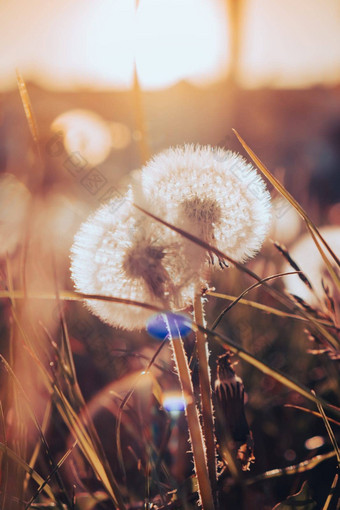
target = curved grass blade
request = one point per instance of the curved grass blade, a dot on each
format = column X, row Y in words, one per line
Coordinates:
column 42, row 486
column 257, row 284
column 325, row 259
column 226, row 342
column 301, row 467
column 223, row 256
column 332, row 493
column 36, row 477
column 75, row 426
column 330, row 432
column 282, row 378
column 80, row 434
column 32, row 124
column 314, row 413
column 268, row 309
column 294, row 203
column 126, row 400
column 19, row 387
column 77, row 296
column 37, row 448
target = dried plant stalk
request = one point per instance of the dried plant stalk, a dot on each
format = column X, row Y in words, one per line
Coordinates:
column 205, row 386
column 195, row 430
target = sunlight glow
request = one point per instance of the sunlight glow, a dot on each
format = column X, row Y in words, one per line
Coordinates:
column 84, row 132
column 290, row 44
column 94, row 44
column 179, row 39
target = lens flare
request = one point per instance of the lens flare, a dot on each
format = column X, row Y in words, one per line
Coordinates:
column 85, row 133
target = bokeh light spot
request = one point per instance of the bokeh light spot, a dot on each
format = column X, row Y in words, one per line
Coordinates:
column 314, row 442
column 174, row 403
column 85, row 133
column 120, row 135
column 159, row 325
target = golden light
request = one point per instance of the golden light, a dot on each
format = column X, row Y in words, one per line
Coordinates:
column 290, row 44
column 306, row 255
column 286, row 222
column 84, row 43
column 179, row 39
column 85, row 133
column 120, row 135
column 95, row 43
column 57, row 219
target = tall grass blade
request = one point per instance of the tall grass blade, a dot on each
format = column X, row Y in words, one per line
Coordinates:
column 268, row 309
column 329, row 432
column 223, row 256
column 50, row 476
column 26, row 102
column 254, row 286
column 279, row 376
column 310, row 225
column 36, row 477
column 301, row 467
column 314, row 413
column 332, row 494
column 143, row 144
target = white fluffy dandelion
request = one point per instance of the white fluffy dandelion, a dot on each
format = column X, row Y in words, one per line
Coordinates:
column 119, row 252
column 212, row 193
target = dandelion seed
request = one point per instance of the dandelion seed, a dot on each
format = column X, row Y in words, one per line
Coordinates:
column 122, row 253
column 212, row 193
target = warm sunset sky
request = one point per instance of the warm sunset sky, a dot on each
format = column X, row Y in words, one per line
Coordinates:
column 67, row 43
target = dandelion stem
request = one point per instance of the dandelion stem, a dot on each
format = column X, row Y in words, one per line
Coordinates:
column 205, row 386
column 194, row 425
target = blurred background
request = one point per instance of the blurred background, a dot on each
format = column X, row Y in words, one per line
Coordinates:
column 114, row 81
column 269, row 69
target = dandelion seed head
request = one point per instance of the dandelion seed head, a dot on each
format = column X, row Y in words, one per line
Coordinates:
column 212, row 193
column 121, row 253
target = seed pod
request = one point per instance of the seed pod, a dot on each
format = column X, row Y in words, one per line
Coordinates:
column 231, row 427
